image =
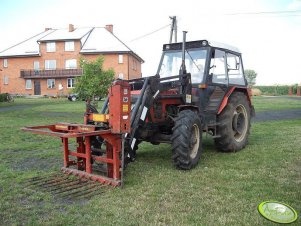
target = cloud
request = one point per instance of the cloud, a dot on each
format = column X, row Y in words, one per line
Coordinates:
column 294, row 5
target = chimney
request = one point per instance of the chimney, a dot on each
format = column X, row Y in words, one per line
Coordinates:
column 109, row 27
column 71, row 27
column 48, row 28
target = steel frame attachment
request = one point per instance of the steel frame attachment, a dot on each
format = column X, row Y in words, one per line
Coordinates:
column 79, row 161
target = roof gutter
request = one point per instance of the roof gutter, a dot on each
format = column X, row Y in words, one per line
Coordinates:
column 20, row 56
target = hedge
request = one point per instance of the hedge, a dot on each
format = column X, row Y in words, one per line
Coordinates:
column 3, row 97
column 276, row 90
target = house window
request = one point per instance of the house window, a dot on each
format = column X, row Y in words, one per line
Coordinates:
column 70, row 64
column 50, row 47
column 51, row 83
column 134, row 67
column 28, row 84
column 5, row 80
column 5, row 63
column 69, row 46
column 36, row 65
column 50, row 64
column 120, row 59
column 70, row 82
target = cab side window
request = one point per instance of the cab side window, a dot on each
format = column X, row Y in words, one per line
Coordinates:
column 234, row 69
column 217, row 67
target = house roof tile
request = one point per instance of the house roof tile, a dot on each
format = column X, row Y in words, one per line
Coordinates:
column 28, row 47
column 94, row 40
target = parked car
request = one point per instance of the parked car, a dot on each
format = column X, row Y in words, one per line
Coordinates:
column 73, row 97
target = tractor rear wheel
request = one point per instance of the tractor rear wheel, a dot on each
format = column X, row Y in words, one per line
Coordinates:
column 186, row 140
column 234, row 124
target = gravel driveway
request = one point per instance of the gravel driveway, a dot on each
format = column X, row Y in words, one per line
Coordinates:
column 277, row 115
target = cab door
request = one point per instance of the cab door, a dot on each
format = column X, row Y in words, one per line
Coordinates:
column 218, row 81
column 218, row 68
column 235, row 70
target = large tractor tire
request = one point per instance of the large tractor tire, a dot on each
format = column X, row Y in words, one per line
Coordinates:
column 233, row 124
column 186, row 140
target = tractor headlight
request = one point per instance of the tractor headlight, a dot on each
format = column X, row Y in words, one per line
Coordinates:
column 204, row 43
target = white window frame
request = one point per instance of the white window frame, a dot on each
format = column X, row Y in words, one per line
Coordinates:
column 51, row 83
column 120, row 59
column 28, row 84
column 50, row 47
column 5, row 62
column 69, row 46
column 134, row 67
column 36, row 65
column 47, row 64
column 70, row 62
column 72, row 83
column 5, row 80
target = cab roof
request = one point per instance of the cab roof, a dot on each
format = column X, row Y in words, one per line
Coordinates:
column 199, row 44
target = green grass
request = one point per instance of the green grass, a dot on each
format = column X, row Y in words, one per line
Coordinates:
column 224, row 189
column 276, row 103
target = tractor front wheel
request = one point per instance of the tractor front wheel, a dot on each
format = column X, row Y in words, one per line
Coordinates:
column 187, row 140
column 234, row 124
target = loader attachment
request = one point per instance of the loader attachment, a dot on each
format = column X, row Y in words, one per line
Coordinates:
column 99, row 142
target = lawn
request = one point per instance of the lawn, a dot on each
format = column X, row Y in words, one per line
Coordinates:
column 224, row 189
column 276, row 103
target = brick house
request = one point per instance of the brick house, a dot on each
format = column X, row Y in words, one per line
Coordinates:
column 47, row 63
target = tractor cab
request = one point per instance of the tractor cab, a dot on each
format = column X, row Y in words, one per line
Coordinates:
column 208, row 63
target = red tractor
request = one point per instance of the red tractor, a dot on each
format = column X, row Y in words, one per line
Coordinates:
column 199, row 87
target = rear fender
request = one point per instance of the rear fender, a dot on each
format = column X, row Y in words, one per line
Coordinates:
column 247, row 92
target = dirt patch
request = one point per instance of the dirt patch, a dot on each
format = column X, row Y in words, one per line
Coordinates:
column 277, row 115
column 36, row 163
column 14, row 108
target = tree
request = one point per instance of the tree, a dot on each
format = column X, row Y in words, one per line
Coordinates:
column 251, row 77
column 95, row 81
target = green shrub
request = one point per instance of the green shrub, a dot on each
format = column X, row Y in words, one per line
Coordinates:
column 3, row 97
column 276, row 90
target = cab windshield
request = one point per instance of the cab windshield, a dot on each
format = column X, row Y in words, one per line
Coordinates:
column 195, row 61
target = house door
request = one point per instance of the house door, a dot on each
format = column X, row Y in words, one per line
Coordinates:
column 37, row 87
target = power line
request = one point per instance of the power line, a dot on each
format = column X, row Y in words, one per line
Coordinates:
column 286, row 13
column 150, row 33
column 264, row 12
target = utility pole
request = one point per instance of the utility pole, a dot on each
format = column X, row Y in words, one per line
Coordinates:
column 173, row 28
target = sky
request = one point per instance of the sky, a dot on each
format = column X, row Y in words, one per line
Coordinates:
column 268, row 32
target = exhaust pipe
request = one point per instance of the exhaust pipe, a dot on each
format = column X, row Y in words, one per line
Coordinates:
column 183, row 66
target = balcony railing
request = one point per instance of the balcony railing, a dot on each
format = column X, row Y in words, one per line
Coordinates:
column 58, row 73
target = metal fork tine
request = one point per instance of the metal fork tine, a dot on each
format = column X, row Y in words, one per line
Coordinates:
column 76, row 186
column 89, row 186
column 49, row 187
column 48, row 181
column 90, row 193
column 60, row 186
